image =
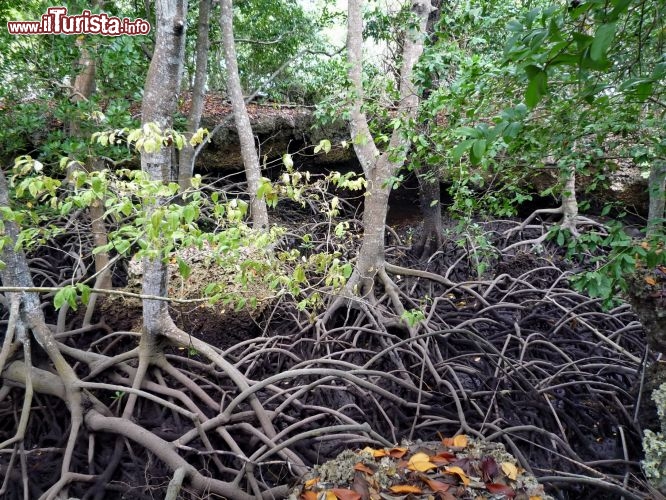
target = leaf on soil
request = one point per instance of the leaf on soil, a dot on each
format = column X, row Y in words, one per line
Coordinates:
column 650, row 280
column 459, row 441
column 510, row 470
column 420, row 462
column 345, row 494
column 535, row 497
column 308, row 495
column 489, row 469
column 374, row 453
column 435, row 485
column 458, row 472
column 397, row 452
column 363, row 468
column 310, row 483
column 497, row 488
column 361, row 486
column 405, row 488
column 443, row 458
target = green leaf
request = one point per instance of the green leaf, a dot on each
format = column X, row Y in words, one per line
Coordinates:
column 467, row 132
column 299, row 274
column 478, row 150
column 288, row 161
column 84, row 290
column 183, row 268
column 59, row 299
column 602, row 40
column 460, row 149
column 536, row 88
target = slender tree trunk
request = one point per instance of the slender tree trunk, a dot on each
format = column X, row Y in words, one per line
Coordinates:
column 379, row 167
column 84, row 86
column 245, row 134
column 657, row 190
column 431, row 238
column 569, row 202
column 186, row 155
column 159, row 106
column 31, row 319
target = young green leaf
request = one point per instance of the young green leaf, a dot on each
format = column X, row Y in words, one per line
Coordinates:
column 602, row 40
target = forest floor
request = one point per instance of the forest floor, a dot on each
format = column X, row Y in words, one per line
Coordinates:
column 509, row 354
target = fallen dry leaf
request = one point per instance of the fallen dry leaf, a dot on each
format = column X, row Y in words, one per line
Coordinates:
column 397, row 452
column 328, row 495
column 489, row 469
column 457, row 471
column 374, row 453
column 405, row 488
column 420, row 462
column 650, row 280
column 435, row 485
column 363, row 468
column 535, row 497
column 361, row 485
column 345, row 494
column 310, row 483
column 308, row 495
column 459, row 441
column 497, row 488
column 510, row 470
column 443, row 458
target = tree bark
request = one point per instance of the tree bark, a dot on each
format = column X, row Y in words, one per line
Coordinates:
column 245, row 134
column 186, row 154
column 17, row 273
column 657, row 190
column 159, row 106
column 379, row 167
column 570, row 203
column 431, row 238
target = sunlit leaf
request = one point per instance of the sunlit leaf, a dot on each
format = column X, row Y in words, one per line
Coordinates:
column 420, row 462
column 405, row 488
column 375, row 453
column 459, row 441
column 457, row 471
column 650, row 281
column 311, row 482
column 510, row 470
column 395, row 452
column 363, row 468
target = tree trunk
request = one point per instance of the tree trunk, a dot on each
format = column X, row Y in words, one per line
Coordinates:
column 31, row 319
column 84, row 86
column 186, row 155
column 159, row 106
column 657, row 190
column 379, row 167
column 245, row 134
column 570, row 203
column 431, row 238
